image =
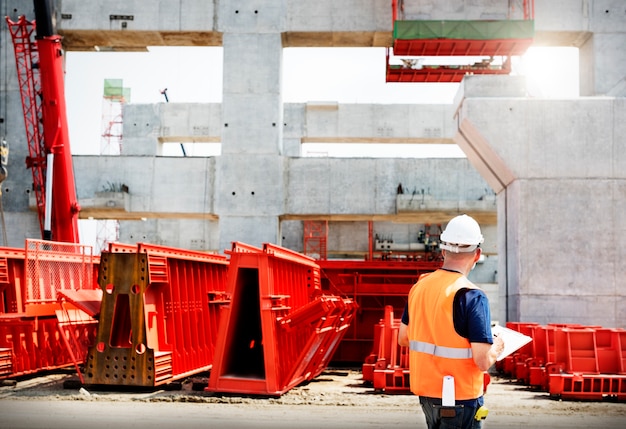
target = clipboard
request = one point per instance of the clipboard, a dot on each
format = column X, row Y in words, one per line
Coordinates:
column 513, row 340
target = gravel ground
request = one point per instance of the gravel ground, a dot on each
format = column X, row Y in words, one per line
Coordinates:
column 337, row 398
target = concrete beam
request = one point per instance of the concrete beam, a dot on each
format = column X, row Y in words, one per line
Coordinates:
column 325, row 23
column 315, row 122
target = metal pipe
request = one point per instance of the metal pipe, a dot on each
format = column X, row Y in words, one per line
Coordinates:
column 47, row 228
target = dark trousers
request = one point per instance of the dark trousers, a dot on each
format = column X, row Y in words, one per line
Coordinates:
column 463, row 415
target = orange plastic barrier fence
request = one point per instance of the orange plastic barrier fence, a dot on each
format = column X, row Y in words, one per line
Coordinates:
column 280, row 328
column 159, row 315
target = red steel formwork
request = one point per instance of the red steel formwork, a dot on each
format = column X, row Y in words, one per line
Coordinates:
column 514, row 365
column 12, row 280
column 387, row 367
column 33, row 345
column 592, row 360
column 373, row 285
column 280, row 328
column 533, row 363
column 571, row 361
column 39, row 328
column 159, row 315
column 543, row 352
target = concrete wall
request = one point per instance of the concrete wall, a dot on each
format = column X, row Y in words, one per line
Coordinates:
column 184, row 188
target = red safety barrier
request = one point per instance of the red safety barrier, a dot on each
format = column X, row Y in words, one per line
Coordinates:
column 280, row 328
column 39, row 329
column 159, row 315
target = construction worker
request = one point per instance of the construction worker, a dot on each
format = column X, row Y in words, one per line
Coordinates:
column 447, row 327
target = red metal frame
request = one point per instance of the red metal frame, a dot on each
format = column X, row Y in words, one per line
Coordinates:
column 160, row 311
column 440, row 74
column 453, row 47
column 280, row 328
column 387, row 367
column 26, row 54
column 372, row 285
column 32, row 345
column 316, row 238
column 591, row 387
column 461, row 48
column 40, row 328
column 571, row 361
column 12, row 280
column 529, row 9
column 78, row 330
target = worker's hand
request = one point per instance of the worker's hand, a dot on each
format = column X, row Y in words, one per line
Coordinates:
column 498, row 344
column 403, row 335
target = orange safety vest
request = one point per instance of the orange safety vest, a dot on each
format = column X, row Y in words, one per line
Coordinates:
column 435, row 349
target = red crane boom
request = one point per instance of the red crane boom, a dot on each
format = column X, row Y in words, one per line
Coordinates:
column 41, row 80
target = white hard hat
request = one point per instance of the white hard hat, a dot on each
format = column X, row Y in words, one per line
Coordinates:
column 462, row 234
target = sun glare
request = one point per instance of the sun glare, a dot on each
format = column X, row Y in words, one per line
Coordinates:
column 551, row 72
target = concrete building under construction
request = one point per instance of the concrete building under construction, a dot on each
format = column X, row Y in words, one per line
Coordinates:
column 544, row 177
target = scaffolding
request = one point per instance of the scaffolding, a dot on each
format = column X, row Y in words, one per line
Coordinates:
column 113, row 100
column 115, row 96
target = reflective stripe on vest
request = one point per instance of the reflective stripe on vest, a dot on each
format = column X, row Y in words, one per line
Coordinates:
column 440, row 351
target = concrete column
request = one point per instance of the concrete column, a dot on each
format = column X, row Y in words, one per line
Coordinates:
column 602, row 54
column 559, row 167
column 602, row 65
column 249, row 174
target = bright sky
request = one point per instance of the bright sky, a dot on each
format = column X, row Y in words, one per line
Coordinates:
column 194, row 74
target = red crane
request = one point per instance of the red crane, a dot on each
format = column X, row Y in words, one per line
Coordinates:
column 39, row 62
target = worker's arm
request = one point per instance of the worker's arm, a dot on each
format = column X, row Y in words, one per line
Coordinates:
column 484, row 354
column 403, row 335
